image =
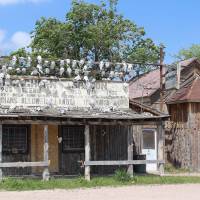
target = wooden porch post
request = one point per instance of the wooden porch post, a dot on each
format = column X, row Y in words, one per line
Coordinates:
column 87, row 151
column 161, row 147
column 46, row 154
column 130, row 149
column 1, row 173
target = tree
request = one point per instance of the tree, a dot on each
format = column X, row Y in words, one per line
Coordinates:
column 191, row 52
column 93, row 32
column 20, row 53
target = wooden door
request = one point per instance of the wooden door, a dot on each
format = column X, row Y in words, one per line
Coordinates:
column 149, row 148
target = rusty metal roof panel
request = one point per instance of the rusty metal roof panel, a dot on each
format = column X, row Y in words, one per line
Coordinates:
column 146, row 85
column 187, row 93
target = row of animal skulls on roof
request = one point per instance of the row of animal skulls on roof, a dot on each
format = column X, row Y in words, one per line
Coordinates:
column 66, row 68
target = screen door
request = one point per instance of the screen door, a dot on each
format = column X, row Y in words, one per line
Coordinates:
column 150, row 147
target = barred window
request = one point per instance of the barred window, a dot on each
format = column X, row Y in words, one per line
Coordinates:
column 72, row 138
column 15, row 139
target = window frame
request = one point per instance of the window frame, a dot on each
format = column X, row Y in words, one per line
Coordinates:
column 154, row 132
column 19, row 152
column 72, row 150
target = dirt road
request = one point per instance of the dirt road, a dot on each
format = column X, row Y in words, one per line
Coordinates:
column 164, row 192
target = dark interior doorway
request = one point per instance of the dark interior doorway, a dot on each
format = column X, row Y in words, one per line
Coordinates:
column 71, row 149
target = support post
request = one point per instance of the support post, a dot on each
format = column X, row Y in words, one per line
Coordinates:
column 161, row 147
column 46, row 174
column 87, row 151
column 161, row 78
column 130, row 150
column 1, row 133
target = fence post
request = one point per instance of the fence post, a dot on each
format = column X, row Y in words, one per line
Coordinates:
column 87, row 151
column 161, row 147
column 46, row 174
column 130, row 149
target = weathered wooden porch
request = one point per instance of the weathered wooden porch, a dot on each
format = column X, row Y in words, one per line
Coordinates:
column 130, row 123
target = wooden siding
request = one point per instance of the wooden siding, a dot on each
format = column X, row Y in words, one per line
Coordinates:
column 183, row 135
column 37, row 151
column 109, row 143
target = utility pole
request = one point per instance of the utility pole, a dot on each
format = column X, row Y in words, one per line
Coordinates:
column 161, row 78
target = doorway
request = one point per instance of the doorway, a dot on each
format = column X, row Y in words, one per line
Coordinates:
column 149, row 147
column 72, row 150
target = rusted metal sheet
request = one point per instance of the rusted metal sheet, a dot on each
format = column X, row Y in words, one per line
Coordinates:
column 189, row 92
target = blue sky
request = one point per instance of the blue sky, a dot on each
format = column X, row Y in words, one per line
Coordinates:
column 172, row 22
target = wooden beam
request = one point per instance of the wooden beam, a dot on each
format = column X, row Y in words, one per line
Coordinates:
column 161, row 147
column 24, row 164
column 46, row 154
column 121, row 162
column 144, row 108
column 67, row 122
column 130, row 149
column 1, row 137
column 87, row 152
column 41, row 122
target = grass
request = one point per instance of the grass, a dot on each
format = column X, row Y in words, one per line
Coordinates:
column 35, row 184
column 169, row 168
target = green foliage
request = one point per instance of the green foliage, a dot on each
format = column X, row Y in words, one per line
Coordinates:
column 20, row 53
column 93, row 31
column 122, row 176
column 49, row 37
column 191, row 52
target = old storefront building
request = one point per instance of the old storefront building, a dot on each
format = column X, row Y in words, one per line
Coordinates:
column 55, row 126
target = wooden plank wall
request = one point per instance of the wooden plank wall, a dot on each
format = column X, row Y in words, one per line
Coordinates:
column 37, row 144
column 109, row 143
column 137, row 139
column 183, row 136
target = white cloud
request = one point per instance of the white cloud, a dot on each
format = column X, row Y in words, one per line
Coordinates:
column 10, row 2
column 18, row 40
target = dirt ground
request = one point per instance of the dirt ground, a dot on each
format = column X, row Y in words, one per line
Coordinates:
column 164, row 192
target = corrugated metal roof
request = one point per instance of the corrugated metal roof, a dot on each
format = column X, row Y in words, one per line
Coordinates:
column 149, row 83
column 145, row 86
column 189, row 92
column 187, row 62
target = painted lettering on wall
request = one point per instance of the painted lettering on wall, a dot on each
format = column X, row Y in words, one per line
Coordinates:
column 66, row 94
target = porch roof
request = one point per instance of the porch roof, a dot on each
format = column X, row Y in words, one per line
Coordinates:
column 82, row 114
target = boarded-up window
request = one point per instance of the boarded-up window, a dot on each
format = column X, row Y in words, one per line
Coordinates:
column 15, row 139
column 72, row 138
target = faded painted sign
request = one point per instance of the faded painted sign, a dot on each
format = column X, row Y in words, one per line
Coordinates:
column 172, row 77
column 64, row 94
